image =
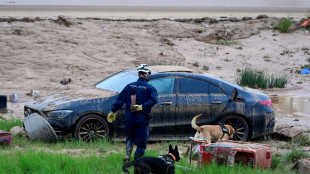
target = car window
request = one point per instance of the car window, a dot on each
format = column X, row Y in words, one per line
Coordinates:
column 189, row 85
column 214, row 90
column 118, row 81
column 163, row 85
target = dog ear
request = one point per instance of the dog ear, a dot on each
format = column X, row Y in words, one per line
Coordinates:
column 176, row 148
column 170, row 148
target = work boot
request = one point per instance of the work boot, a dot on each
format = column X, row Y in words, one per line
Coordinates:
column 129, row 148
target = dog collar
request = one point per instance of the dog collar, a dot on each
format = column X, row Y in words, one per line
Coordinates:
column 172, row 156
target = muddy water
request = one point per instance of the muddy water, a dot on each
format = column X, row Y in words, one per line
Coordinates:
column 293, row 110
column 297, row 107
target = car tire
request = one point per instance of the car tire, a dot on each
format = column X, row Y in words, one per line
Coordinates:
column 239, row 124
column 91, row 128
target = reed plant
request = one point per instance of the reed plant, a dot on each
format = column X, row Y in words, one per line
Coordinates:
column 284, row 26
column 258, row 79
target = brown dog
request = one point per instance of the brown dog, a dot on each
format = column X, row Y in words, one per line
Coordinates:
column 212, row 133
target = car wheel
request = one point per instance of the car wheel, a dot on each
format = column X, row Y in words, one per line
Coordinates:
column 240, row 125
column 91, row 128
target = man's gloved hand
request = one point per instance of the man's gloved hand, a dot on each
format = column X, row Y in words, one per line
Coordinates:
column 111, row 117
column 138, row 107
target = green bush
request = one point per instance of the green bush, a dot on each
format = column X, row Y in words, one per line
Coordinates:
column 284, row 26
column 258, row 79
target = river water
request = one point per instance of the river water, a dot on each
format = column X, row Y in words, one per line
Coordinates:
column 173, row 3
column 150, row 9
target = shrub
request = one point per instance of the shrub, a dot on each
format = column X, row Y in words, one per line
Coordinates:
column 258, row 79
column 284, row 25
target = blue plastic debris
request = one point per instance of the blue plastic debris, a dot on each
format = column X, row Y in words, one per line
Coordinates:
column 305, row 71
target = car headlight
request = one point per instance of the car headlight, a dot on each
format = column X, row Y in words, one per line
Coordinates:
column 59, row 113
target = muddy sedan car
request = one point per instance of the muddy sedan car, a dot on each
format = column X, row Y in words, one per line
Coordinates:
column 182, row 95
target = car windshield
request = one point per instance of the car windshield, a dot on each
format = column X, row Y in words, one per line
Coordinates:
column 118, row 81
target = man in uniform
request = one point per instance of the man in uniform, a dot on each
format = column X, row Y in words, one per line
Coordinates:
column 139, row 97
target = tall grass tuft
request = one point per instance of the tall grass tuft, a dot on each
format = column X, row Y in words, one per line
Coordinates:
column 258, row 79
column 284, row 26
column 295, row 155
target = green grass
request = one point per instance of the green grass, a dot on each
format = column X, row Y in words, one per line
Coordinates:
column 258, row 79
column 7, row 124
column 41, row 161
column 284, row 26
column 295, row 155
column 103, row 156
column 33, row 161
column 227, row 42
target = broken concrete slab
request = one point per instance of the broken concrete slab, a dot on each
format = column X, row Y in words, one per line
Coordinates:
column 302, row 166
column 286, row 132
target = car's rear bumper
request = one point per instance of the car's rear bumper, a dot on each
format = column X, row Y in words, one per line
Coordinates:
column 267, row 123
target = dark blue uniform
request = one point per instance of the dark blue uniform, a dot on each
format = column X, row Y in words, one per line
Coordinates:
column 137, row 128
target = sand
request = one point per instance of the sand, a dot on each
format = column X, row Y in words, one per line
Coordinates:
column 37, row 53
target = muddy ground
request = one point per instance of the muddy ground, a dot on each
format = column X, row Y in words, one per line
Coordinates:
column 36, row 54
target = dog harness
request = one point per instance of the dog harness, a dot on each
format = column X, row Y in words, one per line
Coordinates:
column 224, row 129
column 169, row 160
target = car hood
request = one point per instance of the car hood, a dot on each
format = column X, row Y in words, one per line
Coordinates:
column 66, row 98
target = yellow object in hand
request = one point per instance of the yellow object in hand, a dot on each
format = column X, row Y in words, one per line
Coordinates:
column 111, row 117
column 138, row 107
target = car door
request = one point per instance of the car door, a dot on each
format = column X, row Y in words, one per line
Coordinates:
column 163, row 113
column 196, row 96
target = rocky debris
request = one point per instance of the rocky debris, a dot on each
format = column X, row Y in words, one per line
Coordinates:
column 286, row 132
column 261, row 16
column 18, row 131
column 63, row 21
column 302, row 166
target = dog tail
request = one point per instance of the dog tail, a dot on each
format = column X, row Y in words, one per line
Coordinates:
column 127, row 165
column 194, row 125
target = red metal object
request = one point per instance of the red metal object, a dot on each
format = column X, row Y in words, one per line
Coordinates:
column 5, row 138
column 230, row 152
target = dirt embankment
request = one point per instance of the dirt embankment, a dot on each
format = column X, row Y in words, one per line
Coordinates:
column 38, row 53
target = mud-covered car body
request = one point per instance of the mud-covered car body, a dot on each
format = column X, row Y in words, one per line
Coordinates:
column 181, row 95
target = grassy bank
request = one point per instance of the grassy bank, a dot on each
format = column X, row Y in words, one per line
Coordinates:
column 106, row 157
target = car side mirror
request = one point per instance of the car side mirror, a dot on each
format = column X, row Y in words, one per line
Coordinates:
column 234, row 95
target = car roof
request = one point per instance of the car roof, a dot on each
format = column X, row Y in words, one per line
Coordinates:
column 170, row 68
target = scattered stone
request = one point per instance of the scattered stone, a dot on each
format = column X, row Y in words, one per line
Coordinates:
column 62, row 20
column 196, row 64
column 286, row 132
column 205, row 67
column 234, row 19
column 302, row 166
column 100, row 150
column 17, row 32
column 218, row 67
column 261, row 17
column 246, row 18
column 26, row 19
column 18, row 131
